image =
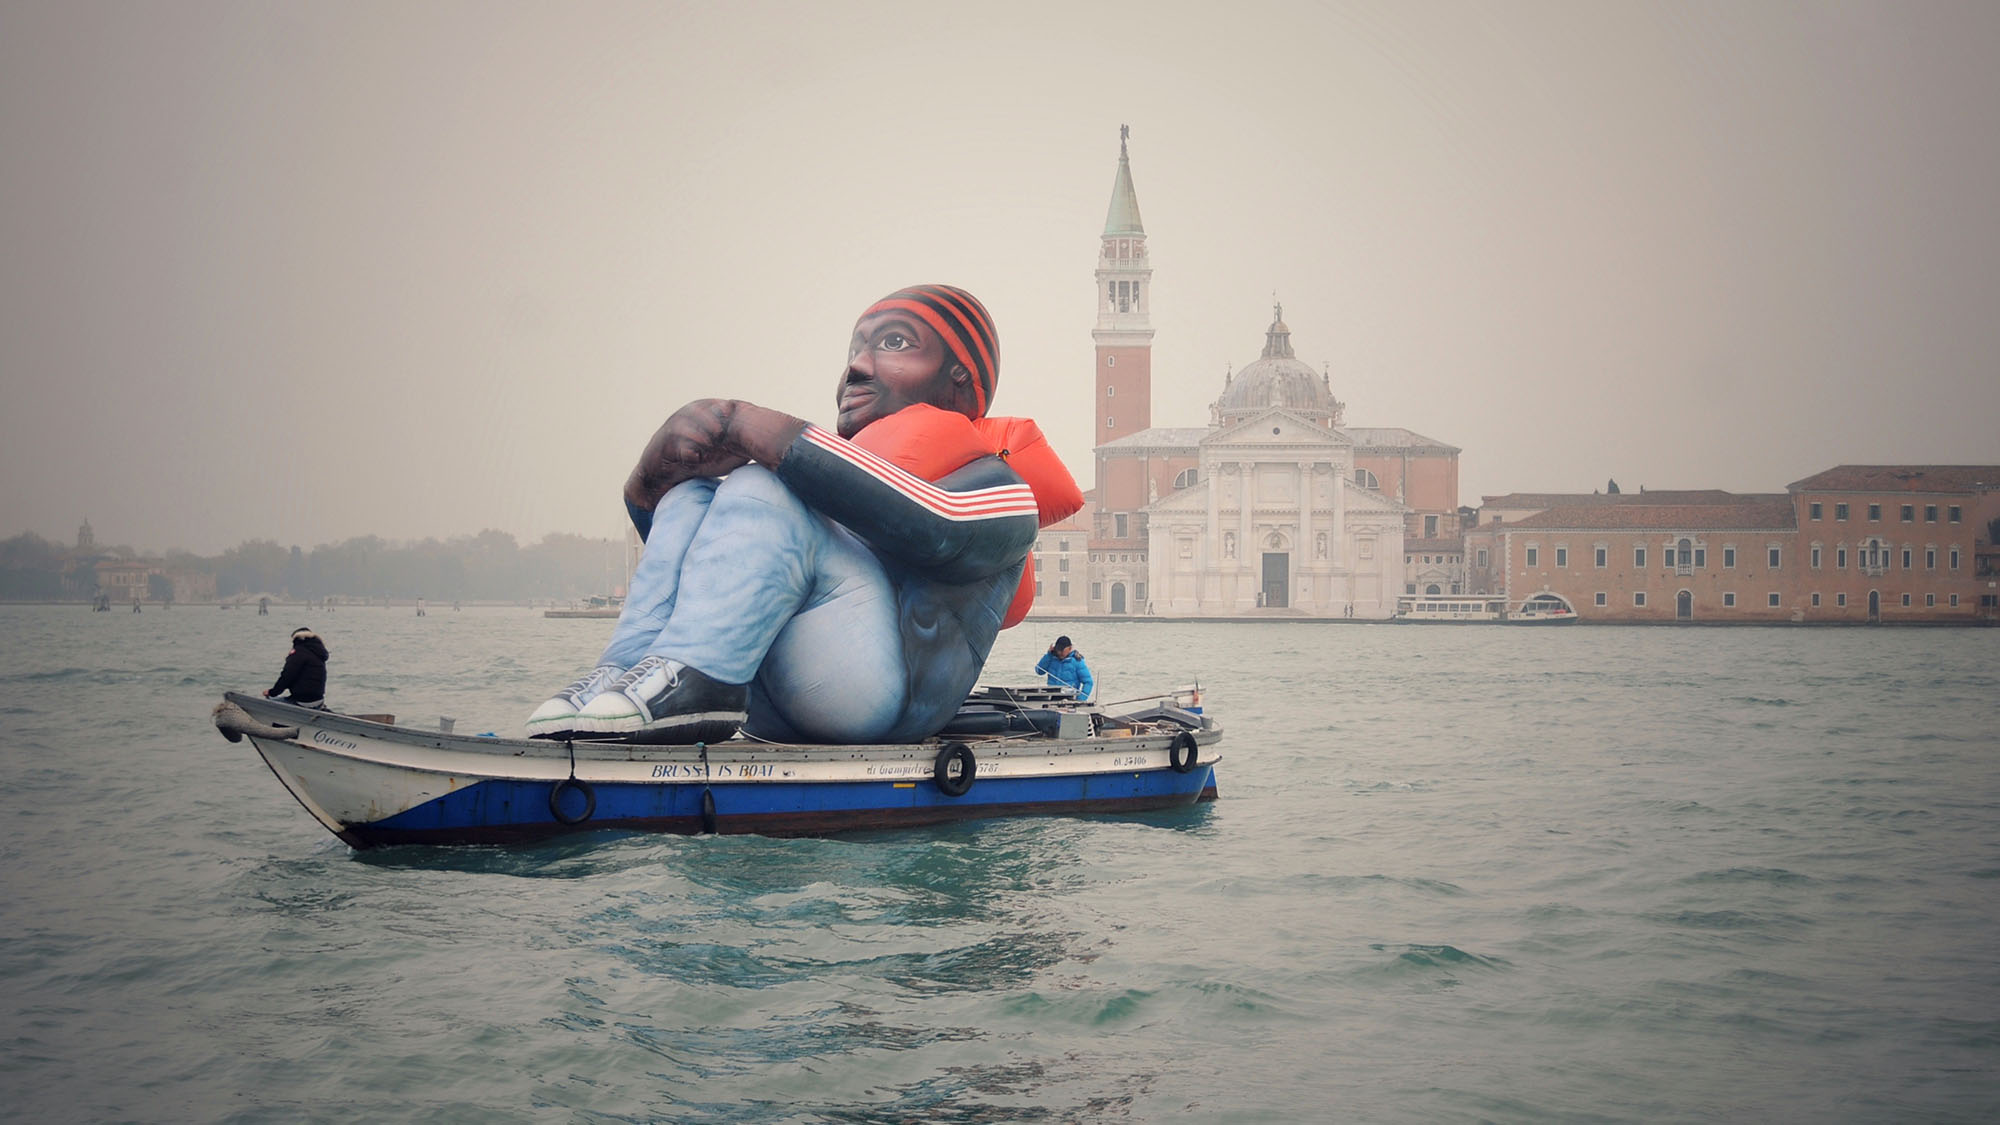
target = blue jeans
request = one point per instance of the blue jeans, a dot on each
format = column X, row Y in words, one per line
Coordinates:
column 743, row 582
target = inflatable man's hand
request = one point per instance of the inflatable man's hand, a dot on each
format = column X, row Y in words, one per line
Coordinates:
column 708, row 437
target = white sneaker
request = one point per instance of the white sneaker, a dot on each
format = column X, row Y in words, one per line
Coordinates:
column 554, row 719
column 665, row 701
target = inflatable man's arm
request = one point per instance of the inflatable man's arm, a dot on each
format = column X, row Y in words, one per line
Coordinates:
column 708, row 437
column 974, row 522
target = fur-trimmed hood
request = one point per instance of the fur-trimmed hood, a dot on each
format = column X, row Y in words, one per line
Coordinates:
column 308, row 641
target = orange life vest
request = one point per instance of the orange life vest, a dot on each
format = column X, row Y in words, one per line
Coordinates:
column 929, row 442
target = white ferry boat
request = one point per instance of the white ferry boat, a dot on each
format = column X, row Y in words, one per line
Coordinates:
column 1541, row 609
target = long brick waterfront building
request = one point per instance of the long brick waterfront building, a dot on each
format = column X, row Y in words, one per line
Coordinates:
column 1853, row 544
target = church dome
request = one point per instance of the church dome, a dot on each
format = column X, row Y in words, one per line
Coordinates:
column 1279, row 378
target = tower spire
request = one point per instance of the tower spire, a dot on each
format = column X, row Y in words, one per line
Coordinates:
column 1124, row 332
column 1123, row 218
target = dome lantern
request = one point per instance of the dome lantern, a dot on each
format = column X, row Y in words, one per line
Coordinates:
column 1279, row 378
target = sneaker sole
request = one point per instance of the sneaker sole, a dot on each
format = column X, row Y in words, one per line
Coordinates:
column 683, row 730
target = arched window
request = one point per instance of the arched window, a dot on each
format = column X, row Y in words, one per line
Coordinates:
column 1187, row 478
column 1366, row 479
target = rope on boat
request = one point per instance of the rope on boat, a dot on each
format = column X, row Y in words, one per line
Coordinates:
column 572, row 782
column 707, row 794
column 234, row 722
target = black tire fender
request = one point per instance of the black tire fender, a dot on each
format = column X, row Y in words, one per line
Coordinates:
column 556, row 794
column 968, row 768
column 1183, row 753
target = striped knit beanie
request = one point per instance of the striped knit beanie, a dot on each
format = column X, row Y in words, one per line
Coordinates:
column 964, row 325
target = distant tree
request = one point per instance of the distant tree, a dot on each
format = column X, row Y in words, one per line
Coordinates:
column 31, row 567
column 30, row 551
column 160, row 588
column 255, row 566
column 572, row 566
column 295, row 583
column 347, row 568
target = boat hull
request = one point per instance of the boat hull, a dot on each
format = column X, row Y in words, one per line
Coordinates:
column 374, row 785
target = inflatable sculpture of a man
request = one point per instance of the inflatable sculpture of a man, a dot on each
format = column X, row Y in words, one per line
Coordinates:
column 841, row 587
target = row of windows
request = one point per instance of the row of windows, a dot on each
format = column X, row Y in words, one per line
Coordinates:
column 1908, row 512
column 1872, row 556
column 1684, row 556
column 1062, row 589
column 1728, row 599
column 1876, row 557
column 1775, row 602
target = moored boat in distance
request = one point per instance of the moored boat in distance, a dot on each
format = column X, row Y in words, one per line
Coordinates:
column 1543, row 609
column 1464, row 609
column 1008, row 752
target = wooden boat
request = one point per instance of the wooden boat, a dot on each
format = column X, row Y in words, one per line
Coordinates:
column 1009, row 752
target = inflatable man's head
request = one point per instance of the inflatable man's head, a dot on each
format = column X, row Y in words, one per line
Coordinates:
column 930, row 344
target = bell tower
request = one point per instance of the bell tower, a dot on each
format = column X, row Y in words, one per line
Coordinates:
column 1124, row 332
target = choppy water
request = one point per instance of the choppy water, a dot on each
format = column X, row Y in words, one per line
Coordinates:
column 1456, row 874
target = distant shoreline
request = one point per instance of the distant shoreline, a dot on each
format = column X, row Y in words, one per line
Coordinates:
column 560, row 609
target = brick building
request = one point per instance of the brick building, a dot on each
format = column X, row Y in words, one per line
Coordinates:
column 1898, row 542
column 1062, row 551
column 1856, row 544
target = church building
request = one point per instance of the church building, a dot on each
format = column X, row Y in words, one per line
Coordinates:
column 1274, row 508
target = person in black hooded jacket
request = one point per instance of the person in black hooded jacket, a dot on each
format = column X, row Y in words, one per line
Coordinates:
column 305, row 671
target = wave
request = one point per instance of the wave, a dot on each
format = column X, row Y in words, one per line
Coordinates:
column 1772, row 875
column 1423, row 959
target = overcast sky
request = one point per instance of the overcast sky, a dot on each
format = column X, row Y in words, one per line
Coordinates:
column 309, row 271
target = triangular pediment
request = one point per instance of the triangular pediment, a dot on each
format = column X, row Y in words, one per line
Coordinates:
column 1192, row 500
column 1361, row 499
column 1293, row 429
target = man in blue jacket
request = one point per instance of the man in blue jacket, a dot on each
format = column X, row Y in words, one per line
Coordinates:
column 1064, row 667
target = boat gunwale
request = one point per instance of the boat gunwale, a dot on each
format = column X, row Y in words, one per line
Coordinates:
column 497, row 750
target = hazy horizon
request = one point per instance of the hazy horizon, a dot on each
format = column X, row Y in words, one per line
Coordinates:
column 308, row 272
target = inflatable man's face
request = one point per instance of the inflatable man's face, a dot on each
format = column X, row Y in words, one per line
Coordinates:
column 894, row 361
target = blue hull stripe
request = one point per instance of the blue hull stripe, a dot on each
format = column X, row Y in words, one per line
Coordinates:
column 507, row 810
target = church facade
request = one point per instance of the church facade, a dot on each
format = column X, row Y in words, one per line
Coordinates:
column 1275, row 507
